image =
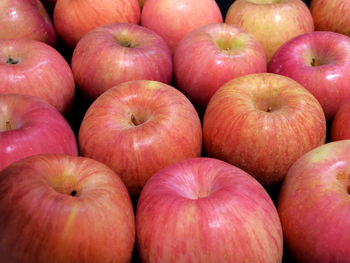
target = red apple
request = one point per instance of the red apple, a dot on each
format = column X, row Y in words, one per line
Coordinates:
column 320, row 61
column 29, row 126
column 119, row 52
column 60, row 208
column 263, row 123
column 73, row 19
column 34, row 68
column 314, row 205
column 206, row 210
column 26, row 19
column 211, row 55
column 139, row 127
column 340, row 127
column 331, row 15
column 172, row 20
column 272, row 22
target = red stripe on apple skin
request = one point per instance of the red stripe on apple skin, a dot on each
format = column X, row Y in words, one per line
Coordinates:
column 42, row 225
column 172, row 131
column 205, row 210
column 263, row 143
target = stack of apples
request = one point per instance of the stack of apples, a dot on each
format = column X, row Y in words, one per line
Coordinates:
column 174, row 131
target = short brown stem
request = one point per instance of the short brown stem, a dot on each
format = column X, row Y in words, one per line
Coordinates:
column 313, row 62
column 135, row 121
column 8, row 126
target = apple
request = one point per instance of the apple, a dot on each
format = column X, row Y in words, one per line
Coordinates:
column 314, row 205
column 172, row 20
column 119, row 52
column 211, row 55
column 139, row 127
column 26, row 19
column 272, row 22
column 330, row 15
column 29, row 126
column 35, row 68
column 340, row 126
column 61, row 208
column 73, row 19
column 263, row 123
column 206, row 210
column 319, row 61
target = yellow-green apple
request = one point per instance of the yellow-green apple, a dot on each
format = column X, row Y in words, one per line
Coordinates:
column 119, row 52
column 172, row 20
column 62, row 208
column 331, row 15
column 211, row 55
column 340, row 126
column 73, row 19
column 272, row 22
column 263, row 123
column 206, row 210
column 26, row 19
column 139, row 127
column 35, row 68
column 29, row 126
column 319, row 61
column 314, row 205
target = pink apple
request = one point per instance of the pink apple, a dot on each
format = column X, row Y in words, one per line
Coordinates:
column 172, row 20
column 272, row 22
column 314, row 205
column 211, row 55
column 139, row 127
column 26, row 19
column 330, row 15
column 73, row 19
column 60, row 208
column 340, row 127
column 320, row 61
column 29, row 126
column 206, row 210
column 119, row 52
column 263, row 123
column 35, row 68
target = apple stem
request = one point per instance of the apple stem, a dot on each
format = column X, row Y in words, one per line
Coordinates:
column 313, row 62
column 8, row 126
column 134, row 120
column 11, row 61
column 73, row 193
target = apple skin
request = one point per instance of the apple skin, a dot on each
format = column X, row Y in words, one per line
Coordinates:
column 26, row 19
column 206, row 210
column 139, row 127
column 319, row 61
column 73, row 19
column 329, row 15
column 314, row 205
column 119, row 52
column 263, row 123
column 29, row 126
column 172, row 20
column 209, row 56
column 340, row 127
column 272, row 22
column 35, row 68
column 62, row 208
